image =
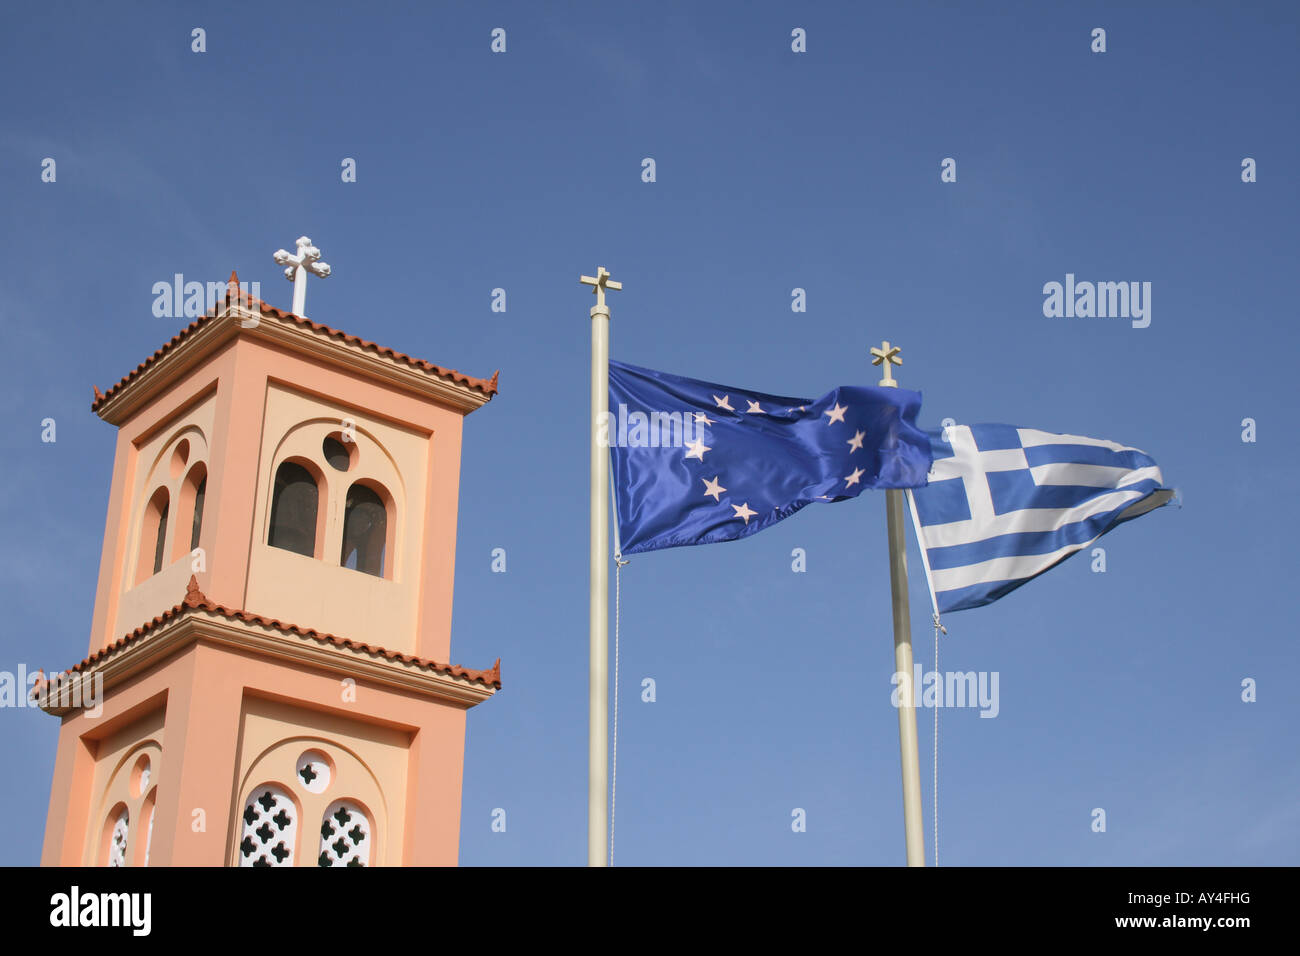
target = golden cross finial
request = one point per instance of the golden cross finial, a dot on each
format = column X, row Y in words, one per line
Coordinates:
column 887, row 355
column 601, row 282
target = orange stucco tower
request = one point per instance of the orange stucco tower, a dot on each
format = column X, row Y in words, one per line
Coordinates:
column 263, row 684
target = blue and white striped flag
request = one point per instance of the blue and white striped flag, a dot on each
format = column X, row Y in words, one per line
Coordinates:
column 1004, row 504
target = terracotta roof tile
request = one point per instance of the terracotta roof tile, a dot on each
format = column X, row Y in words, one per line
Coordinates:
column 487, row 386
column 196, row 600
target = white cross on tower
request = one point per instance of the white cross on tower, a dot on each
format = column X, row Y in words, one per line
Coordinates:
column 306, row 260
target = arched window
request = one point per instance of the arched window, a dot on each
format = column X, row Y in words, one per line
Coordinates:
column 147, row 815
column 344, row 835
column 365, row 530
column 121, row 820
column 161, row 539
column 153, row 536
column 294, row 510
column 270, row 828
column 189, row 511
column 196, row 525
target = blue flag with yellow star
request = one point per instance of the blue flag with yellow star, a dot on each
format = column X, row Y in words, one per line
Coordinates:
column 696, row 462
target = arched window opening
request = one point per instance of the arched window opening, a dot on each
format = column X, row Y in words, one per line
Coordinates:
column 146, row 818
column 189, row 511
column 197, row 525
column 121, row 820
column 294, row 510
column 365, row 531
column 270, row 828
column 344, row 835
column 153, row 536
column 162, row 539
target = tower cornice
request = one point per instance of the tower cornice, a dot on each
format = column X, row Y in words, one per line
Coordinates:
column 241, row 315
column 196, row 619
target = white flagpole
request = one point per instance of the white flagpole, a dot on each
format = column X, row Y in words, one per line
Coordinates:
column 913, row 825
column 598, row 680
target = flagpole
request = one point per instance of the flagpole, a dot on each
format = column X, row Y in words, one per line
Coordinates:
column 913, row 825
column 598, row 674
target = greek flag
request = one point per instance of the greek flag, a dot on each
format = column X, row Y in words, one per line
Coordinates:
column 1004, row 504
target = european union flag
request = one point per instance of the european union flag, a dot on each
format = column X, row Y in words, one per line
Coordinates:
column 696, row 462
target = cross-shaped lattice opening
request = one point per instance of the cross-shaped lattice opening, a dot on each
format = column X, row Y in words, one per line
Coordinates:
column 270, row 826
column 345, row 836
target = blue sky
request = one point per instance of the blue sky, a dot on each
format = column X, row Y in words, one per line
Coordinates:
column 774, row 170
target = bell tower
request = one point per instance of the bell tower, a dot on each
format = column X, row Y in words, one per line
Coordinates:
column 266, row 680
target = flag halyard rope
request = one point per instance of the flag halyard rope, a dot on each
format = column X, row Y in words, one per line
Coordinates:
column 619, row 562
column 934, row 606
column 934, row 792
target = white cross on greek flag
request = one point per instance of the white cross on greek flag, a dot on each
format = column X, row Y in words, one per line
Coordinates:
column 1004, row 504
